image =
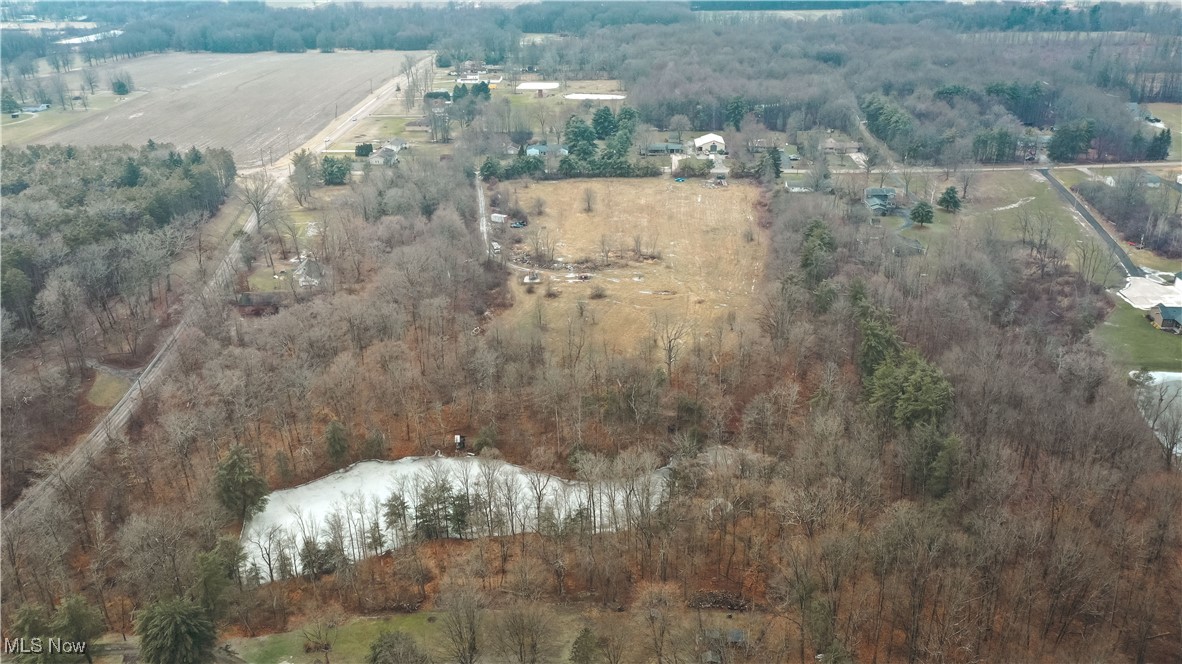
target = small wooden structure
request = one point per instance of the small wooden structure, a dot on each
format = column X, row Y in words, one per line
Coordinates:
column 259, row 304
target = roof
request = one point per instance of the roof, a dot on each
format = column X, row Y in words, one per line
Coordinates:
column 544, row 149
column 1170, row 313
column 880, row 192
column 708, row 138
column 259, row 299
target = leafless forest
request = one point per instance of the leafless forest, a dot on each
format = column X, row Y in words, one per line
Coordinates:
column 891, row 456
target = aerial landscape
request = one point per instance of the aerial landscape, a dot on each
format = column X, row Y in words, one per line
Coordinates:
column 659, row 332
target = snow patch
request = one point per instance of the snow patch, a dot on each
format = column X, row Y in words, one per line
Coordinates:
column 593, row 95
column 538, row 85
column 1011, row 206
column 1144, row 293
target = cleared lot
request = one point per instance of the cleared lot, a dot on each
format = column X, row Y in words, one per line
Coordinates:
column 259, row 105
column 700, row 260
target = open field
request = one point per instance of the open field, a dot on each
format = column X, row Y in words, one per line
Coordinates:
column 998, row 198
column 107, row 389
column 30, row 127
column 256, row 105
column 1171, row 116
column 1135, row 344
column 354, row 637
column 710, row 252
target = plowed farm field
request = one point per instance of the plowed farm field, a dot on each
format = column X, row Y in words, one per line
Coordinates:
column 260, row 105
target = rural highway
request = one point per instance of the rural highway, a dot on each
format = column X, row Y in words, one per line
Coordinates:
column 36, row 497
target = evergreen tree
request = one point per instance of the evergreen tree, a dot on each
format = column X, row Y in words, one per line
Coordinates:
column 396, row 648
column 736, row 108
column 604, row 122
column 584, row 650
column 334, row 170
column 949, row 200
column 76, row 620
column 777, row 159
column 922, row 213
column 338, row 443
column 30, row 621
column 581, row 137
column 1159, row 146
column 491, row 168
column 240, row 488
column 176, row 631
column 8, row 103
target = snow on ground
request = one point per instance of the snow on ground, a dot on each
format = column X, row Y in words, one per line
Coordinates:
column 1011, row 206
column 537, row 85
column 1144, row 293
column 502, row 499
column 593, row 95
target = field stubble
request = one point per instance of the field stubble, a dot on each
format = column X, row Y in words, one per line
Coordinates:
column 701, row 258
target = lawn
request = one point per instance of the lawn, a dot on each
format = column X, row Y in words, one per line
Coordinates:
column 107, row 390
column 355, row 637
column 700, row 262
column 1171, row 116
column 30, row 127
column 352, row 644
column 1135, row 344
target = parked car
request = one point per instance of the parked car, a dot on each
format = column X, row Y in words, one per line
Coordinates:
column 519, row 224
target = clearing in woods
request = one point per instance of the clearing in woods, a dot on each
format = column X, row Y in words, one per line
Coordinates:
column 254, row 104
column 700, row 259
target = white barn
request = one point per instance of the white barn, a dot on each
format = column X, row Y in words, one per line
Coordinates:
column 710, row 143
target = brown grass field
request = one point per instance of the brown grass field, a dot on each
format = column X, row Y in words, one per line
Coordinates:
column 260, row 103
column 711, row 256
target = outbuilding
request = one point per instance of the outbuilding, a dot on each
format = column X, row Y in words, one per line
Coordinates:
column 1166, row 318
column 710, row 143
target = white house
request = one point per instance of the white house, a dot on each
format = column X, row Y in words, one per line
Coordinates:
column 384, row 157
column 498, row 218
column 709, row 143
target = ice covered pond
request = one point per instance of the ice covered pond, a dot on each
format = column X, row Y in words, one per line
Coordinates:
column 374, row 506
column 1160, row 401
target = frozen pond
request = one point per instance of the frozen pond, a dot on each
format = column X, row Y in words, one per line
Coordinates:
column 1161, row 403
column 374, row 506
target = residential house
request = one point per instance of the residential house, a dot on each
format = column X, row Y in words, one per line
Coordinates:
column 542, row 150
column 662, row 148
column 1166, row 318
column 387, row 156
column 709, row 144
column 880, row 200
column 309, row 273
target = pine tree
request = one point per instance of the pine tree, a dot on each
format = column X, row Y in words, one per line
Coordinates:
column 240, row 488
column 176, row 632
column 736, row 108
column 76, row 620
column 922, row 213
column 338, row 443
column 1159, row 147
column 584, row 650
column 949, row 200
column 604, row 123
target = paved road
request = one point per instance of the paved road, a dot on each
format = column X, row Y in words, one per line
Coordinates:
column 36, row 496
column 1130, row 267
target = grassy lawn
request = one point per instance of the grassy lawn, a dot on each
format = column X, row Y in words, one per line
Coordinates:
column 1171, row 115
column 107, row 390
column 31, row 126
column 354, row 638
column 1135, row 344
column 352, row 644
